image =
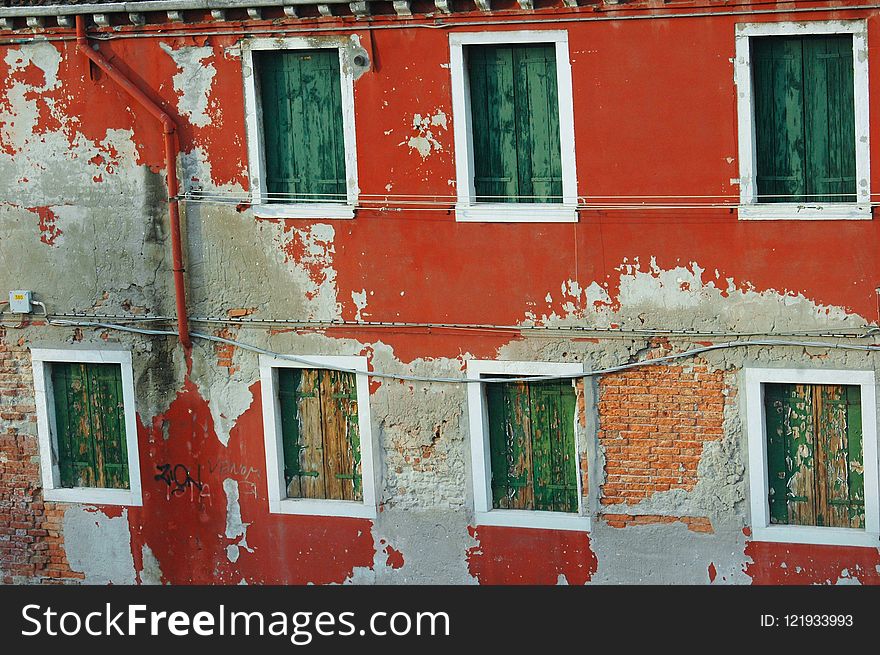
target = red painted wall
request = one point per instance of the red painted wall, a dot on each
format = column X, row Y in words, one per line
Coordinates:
column 655, row 113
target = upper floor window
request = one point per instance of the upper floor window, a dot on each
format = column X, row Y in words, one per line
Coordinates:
column 301, row 140
column 514, row 134
column 803, row 120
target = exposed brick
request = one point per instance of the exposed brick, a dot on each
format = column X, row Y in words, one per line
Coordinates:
column 654, row 423
column 31, row 543
column 694, row 523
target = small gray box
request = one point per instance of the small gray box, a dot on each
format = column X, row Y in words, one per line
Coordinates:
column 20, row 302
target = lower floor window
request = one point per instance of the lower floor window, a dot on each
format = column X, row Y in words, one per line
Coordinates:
column 814, row 455
column 532, row 445
column 89, row 425
column 321, row 439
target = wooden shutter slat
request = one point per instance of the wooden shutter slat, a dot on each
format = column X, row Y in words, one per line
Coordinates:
column 311, row 426
column 519, row 429
column 340, row 415
column 832, row 487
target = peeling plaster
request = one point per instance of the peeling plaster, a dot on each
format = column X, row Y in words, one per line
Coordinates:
column 193, row 82
column 424, row 141
column 98, row 546
column 235, row 527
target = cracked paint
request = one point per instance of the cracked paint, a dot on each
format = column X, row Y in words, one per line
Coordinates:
column 424, row 141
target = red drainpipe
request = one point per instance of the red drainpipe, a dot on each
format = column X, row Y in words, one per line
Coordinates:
column 172, row 148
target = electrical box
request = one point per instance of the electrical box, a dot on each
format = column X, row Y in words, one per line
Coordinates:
column 20, row 302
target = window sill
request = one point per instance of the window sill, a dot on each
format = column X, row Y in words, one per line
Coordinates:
column 795, row 212
column 313, row 210
column 504, row 212
column 515, row 518
column 312, row 507
column 92, row 496
column 805, row 534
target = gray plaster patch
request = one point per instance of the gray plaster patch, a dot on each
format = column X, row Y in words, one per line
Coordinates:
column 99, row 546
column 432, row 543
column 668, row 554
column 151, row 573
column 235, row 527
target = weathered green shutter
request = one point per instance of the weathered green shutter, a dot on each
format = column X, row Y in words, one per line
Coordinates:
column 302, row 125
column 510, row 435
column 532, row 445
column 779, row 119
column 515, row 123
column 288, row 397
column 554, row 457
column 854, row 462
column 814, row 454
column 830, row 119
column 90, row 425
column 320, row 434
column 804, row 118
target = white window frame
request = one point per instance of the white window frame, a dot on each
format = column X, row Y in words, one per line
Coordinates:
column 255, row 138
column 467, row 209
column 42, row 359
column 750, row 208
column 279, row 503
column 762, row 529
column 481, row 461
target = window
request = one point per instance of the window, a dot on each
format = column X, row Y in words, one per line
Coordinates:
column 803, row 120
column 525, row 445
column 813, row 456
column 514, row 132
column 317, row 431
column 87, row 427
column 300, row 118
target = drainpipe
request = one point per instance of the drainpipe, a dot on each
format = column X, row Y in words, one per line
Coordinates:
column 172, row 148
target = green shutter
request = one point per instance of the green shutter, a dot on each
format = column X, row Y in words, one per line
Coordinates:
column 532, row 445
column 320, row 434
column 779, row 119
column 855, row 458
column 791, row 453
column 90, row 425
column 288, row 397
column 804, row 118
column 304, row 146
column 515, row 123
column 830, row 119
column 814, row 455
column 510, row 435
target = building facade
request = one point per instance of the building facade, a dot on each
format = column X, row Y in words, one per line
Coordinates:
column 439, row 292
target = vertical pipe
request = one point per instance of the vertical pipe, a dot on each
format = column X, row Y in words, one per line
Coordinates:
column 172, row 149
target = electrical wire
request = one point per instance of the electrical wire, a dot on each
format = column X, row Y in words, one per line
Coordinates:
column 427, row 202
column 304, row 361
column 855, row 332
